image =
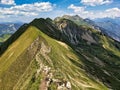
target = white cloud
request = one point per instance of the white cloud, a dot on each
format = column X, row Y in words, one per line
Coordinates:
column 96, row 2
column 75, row 8
column 39, row 7
column 27, row 9
column 111, row 13
column 8, row 2
column 25, row 12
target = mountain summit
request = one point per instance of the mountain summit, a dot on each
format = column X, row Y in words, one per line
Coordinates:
column 59, row 55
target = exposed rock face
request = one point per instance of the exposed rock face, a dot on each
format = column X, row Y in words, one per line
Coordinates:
column 86, row 36
column 69, row 30
column 46, row 71
column 34, row 47
column 41, row 49
column 74, row 33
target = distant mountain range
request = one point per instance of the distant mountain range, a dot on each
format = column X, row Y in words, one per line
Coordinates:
column 9, row 28
column 111, row 26
column 114, row 20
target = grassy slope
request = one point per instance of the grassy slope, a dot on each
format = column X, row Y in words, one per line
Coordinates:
column 108, row 55
column 4, row 37
column 108, row 44
column 102, row 59
column 62, row 58
column 11, row 55
column 17, row 48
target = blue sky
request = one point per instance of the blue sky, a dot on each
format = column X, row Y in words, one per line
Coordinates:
column 27, row 10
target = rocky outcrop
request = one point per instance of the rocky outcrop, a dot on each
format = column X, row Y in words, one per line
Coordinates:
column 47, row 72
column 75, row 33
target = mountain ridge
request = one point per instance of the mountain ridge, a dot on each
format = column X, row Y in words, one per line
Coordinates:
column 111, row 30
column 59, row 53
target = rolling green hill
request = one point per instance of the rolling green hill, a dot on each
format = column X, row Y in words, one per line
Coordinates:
column 48, row 55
